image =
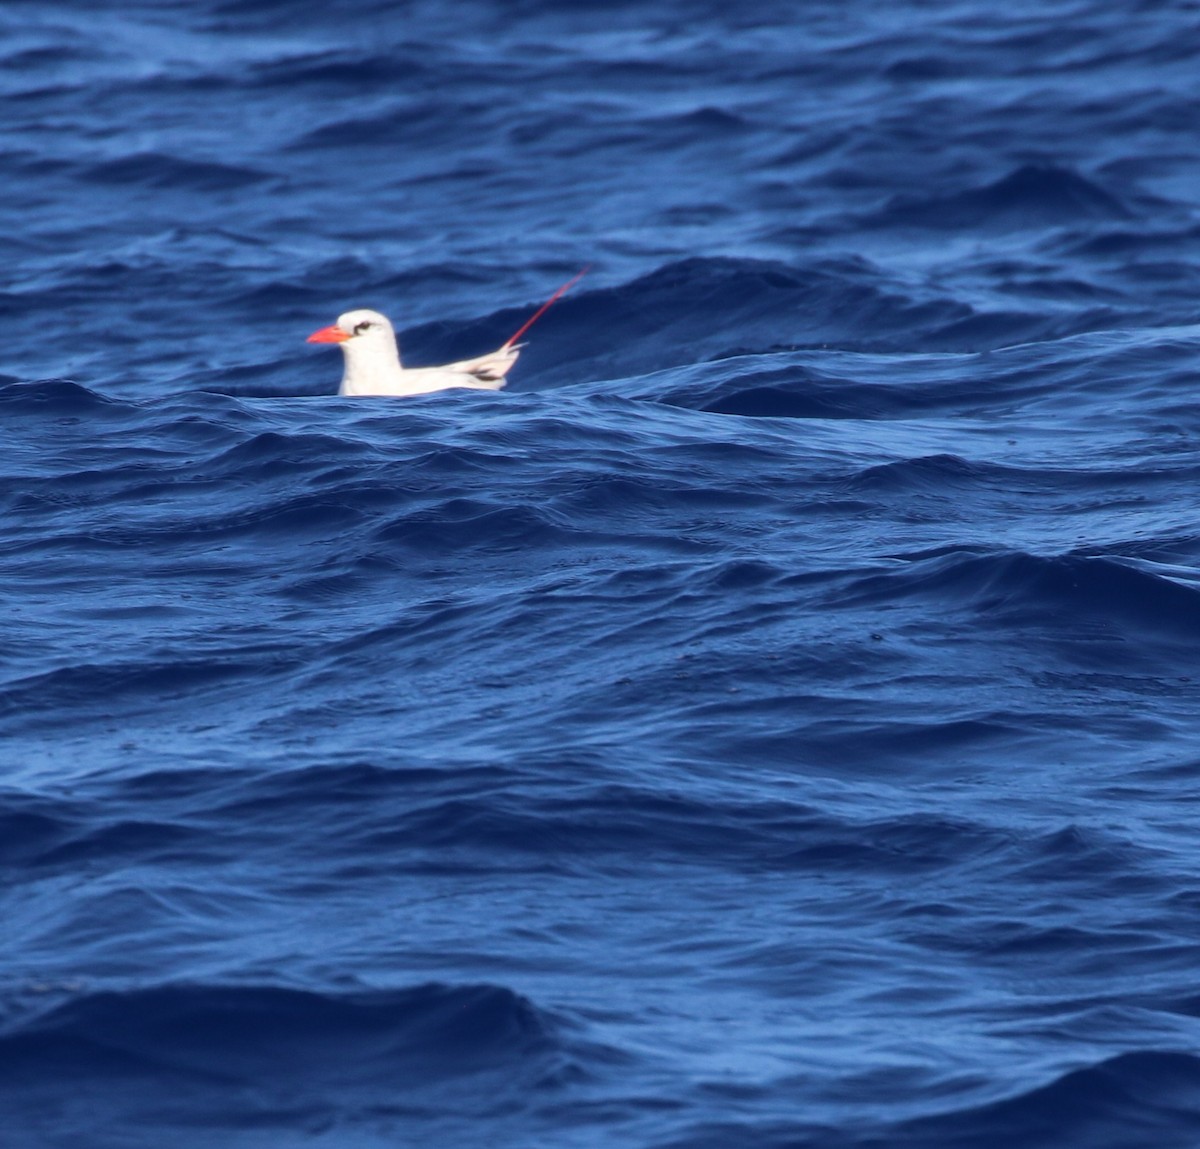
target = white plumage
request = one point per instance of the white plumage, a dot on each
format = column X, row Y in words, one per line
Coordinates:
column 372, row 361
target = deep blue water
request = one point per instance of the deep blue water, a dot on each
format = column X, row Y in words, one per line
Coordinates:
column 773, row 721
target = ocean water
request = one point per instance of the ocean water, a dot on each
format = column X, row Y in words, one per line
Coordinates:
column 772, row 721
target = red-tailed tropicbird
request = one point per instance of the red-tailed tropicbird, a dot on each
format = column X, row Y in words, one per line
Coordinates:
column 372, row 356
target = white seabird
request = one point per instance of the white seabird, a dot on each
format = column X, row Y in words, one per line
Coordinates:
column 372, row 357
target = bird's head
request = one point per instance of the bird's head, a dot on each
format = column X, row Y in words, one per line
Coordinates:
column 357, row 330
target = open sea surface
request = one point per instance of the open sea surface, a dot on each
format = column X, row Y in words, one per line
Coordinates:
column 772, row 722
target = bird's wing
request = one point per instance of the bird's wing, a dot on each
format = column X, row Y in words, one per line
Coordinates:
column 490, row 368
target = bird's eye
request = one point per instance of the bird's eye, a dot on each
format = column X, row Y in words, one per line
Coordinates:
column 365, row 325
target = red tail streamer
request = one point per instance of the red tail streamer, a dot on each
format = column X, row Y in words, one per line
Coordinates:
column 545, row 306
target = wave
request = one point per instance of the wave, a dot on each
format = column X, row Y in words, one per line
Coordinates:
column 1057, row 592
column 231, row 1056
column 161, row 170
column 1034, row 195
column 450, row 819
column 1143, row 1097
column 1137, row 1098
column 56, row 397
